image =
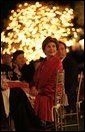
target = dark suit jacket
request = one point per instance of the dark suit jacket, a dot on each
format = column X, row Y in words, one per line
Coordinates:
column 71, row 73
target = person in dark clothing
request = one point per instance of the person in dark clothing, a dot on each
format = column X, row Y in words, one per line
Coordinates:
column 20, row 107
column 22, row 112
column 6, row 59
column 71, row 76
column 24, row 71
column 7, row 66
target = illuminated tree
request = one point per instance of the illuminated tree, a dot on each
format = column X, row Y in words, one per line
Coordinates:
column 29, row 24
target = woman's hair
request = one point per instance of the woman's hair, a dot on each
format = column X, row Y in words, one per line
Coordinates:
column 47, row 40
column 16, row 53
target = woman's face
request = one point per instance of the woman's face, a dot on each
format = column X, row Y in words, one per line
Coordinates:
column 50, row 49
column 20, row 60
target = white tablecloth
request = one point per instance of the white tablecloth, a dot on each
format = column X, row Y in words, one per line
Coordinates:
column 5, row 95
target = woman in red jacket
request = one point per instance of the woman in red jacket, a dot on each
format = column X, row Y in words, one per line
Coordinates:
column 45, row 80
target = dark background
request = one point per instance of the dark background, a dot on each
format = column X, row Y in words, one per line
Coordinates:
column 7, row 5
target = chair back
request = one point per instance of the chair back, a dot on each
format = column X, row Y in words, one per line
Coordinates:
column 58, row 96
column 59, row 86
column 79, row 86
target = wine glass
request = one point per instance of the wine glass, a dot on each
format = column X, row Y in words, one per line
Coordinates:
column 3, row 75
column 19, row 76
column 10, row 75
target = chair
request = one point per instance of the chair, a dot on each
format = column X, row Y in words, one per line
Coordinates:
column 58, row 111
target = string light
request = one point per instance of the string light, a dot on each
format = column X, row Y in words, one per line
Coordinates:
column 29, row 24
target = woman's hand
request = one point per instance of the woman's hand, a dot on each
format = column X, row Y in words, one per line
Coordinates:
column 33, row 91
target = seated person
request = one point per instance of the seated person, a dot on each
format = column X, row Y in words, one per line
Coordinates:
column 21, row 110
column 24, row 72
column 20, row 107
column 44, row 83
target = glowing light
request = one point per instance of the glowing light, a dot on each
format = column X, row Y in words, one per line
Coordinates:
column 29, row 24
column 81, row 42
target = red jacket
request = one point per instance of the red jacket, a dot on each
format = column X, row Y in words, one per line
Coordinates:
column 45, row 80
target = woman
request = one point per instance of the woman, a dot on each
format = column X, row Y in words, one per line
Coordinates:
column 23, row 71
column 45, row 80
column 20, row 108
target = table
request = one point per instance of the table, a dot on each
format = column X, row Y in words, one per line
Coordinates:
column 6, row 93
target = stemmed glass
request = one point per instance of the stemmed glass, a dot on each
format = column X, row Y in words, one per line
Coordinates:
column 19, row 76
column 10, row 75
column 3, row 75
